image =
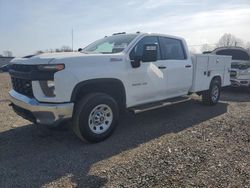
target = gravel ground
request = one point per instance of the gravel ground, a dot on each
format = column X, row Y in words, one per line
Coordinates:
column 185, row 145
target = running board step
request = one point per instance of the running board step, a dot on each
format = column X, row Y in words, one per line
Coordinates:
column 160, row 104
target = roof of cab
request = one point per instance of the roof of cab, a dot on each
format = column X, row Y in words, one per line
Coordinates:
column 149, row 34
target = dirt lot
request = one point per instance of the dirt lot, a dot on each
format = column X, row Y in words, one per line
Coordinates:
column 185, row 145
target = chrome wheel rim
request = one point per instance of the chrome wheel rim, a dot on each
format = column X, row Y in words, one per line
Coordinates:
column 215, row 93
column 100, row 119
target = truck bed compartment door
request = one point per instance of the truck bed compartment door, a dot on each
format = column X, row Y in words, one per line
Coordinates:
column 201, row 79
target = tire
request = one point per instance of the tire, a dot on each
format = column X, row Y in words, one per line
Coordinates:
column 95, row 117
column 211, row 97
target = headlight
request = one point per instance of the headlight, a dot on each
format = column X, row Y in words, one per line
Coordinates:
column 244, row 72
column 52, row 68
column 48, row 88
column 50, row 83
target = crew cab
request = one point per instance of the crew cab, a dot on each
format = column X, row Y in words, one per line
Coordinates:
column 134, row 72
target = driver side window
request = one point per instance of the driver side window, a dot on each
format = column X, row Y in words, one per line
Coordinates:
column 138, row 49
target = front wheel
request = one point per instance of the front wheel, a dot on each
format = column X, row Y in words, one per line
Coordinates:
column 212, row 96
column 95, row 117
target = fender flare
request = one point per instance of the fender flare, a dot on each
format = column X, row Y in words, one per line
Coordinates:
column 99, row 82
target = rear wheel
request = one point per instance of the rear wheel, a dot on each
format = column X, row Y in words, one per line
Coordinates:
column 95, row 117
column 212, row 96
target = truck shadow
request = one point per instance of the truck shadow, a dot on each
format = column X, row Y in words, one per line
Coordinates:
column 33, row 156
column 235, row 95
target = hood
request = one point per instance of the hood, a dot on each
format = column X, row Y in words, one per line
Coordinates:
column 239, row 64
column 50, row 58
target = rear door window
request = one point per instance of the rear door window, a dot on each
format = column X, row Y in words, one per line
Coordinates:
column 172, row 49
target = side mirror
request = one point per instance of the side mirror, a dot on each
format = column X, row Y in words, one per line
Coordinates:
column 149, row 53
column 79, row 49
column 136, row 62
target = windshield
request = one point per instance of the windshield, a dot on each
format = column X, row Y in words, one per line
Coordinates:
column 110, row 45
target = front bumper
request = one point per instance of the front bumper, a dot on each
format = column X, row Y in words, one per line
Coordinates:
column 41, row 113
column 240, row 83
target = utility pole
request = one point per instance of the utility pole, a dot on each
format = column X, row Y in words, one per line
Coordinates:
column 72, row 40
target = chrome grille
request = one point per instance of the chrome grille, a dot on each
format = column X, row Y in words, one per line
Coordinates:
column 22, row 86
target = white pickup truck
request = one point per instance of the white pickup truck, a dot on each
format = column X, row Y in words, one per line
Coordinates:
column 240, row 67
column 135, row 72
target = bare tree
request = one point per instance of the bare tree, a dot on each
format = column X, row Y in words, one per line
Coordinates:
column 206, row 47
column 39, row 52
column 192, row 50
column 62, row 49
column 66, row 49
column 229, row 40
column 58, row 50
column 248, row 46
column 7, row 53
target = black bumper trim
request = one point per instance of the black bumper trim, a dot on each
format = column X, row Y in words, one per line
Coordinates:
column 33, row 75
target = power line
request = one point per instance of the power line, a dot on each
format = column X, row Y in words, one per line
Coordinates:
column 202, row 44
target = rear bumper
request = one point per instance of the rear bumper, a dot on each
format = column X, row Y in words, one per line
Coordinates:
column 240, row 83
column 41, row 113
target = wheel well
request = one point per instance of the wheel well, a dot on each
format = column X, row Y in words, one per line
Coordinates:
column 109, row 86
column 217, row 78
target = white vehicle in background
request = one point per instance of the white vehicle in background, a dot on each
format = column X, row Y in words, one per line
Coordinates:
column 240, row 69
column 136, row 72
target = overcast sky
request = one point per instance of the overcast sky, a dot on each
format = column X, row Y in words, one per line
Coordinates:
column 27, row 26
